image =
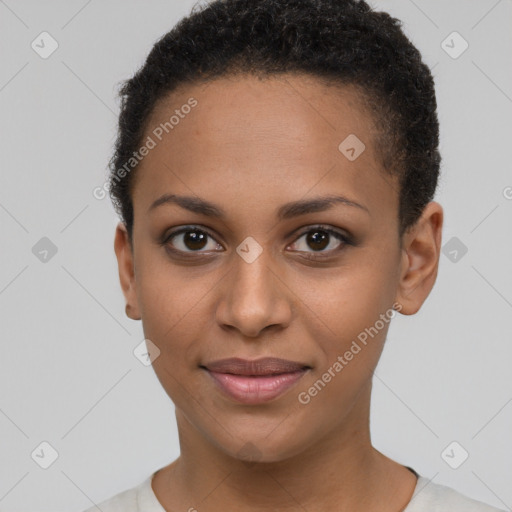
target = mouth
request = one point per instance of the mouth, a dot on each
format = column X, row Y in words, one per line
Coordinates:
column 255, row 381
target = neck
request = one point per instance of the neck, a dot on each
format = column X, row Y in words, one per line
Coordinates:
column 341, row 471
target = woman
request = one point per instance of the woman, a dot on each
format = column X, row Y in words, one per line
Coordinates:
column 274, row 173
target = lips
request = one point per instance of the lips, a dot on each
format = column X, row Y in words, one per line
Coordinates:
column 255, row 381
column 257, row 367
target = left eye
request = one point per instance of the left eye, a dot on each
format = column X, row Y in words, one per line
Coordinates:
column 319, row 239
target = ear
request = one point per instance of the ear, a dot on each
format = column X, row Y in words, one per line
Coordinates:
column 124, row 254
column 421, row 247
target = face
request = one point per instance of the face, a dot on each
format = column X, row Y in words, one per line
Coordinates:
column 256, row 263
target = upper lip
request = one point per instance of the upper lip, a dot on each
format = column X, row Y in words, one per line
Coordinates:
column 263, row 366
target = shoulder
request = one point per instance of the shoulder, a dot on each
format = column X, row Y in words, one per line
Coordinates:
column 136, row 499
column 431, row 497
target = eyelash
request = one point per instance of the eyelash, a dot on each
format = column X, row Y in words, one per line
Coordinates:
column 343, row 238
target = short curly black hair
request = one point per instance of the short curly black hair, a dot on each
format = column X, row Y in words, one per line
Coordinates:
column 344, row 42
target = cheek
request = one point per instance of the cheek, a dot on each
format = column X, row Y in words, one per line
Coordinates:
column 348, row 299
column 176, row 312
column 161, row 302
column 167, row 293
column 353, row 345
column 354, row 308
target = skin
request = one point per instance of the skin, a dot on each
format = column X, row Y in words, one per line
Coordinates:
column 250, row 146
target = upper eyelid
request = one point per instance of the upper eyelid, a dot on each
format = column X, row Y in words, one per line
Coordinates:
column 184, row 229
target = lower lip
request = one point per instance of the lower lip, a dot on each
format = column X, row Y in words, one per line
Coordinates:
column 255, row 390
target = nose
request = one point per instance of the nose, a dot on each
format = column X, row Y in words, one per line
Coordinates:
column 253, row 298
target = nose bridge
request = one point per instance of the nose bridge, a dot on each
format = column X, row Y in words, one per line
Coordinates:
column 252, row 298
column 253, row 277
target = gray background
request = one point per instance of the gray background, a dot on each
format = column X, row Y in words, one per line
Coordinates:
column 67, row 372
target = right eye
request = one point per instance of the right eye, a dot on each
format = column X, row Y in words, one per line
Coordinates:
column 190, row 240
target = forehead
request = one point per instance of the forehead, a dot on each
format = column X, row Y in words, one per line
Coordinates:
column 260, row 137
column 234, row 111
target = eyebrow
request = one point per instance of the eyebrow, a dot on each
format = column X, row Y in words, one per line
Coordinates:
column 286, row 211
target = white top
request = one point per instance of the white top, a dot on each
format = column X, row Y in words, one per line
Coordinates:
column 427, row 497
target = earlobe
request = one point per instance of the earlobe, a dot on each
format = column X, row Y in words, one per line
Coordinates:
column 420, row 259
column 123, row 250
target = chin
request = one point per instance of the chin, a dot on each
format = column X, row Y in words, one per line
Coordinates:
column 264, row 449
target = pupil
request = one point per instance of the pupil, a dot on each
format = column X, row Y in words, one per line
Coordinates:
column 318, row 239
column 195, row 239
